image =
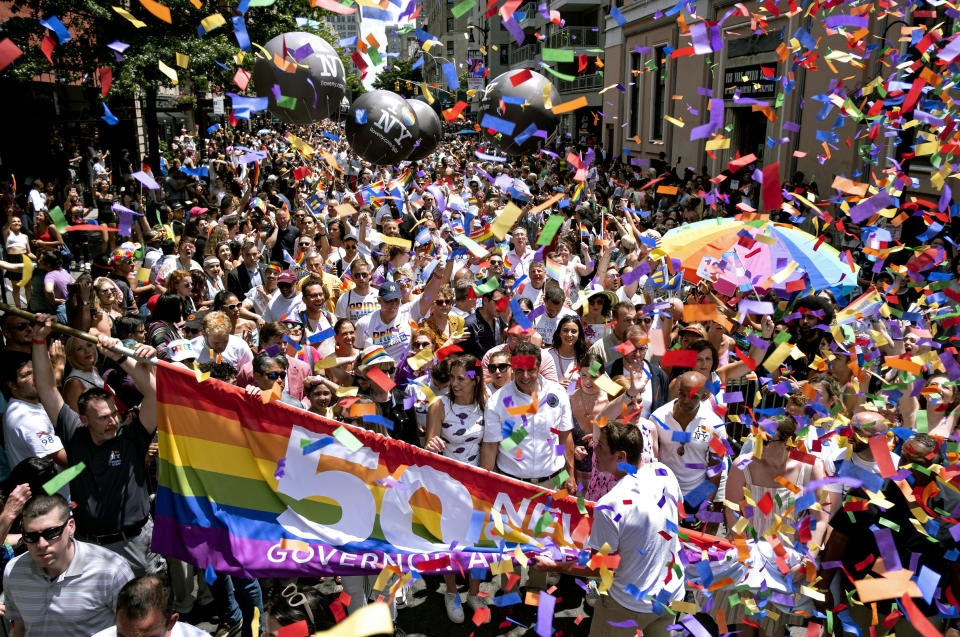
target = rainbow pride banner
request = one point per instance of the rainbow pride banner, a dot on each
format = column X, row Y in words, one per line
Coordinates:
column 266, row 490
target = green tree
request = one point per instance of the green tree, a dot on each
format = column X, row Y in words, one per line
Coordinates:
column 95, row 24
column 396, row 77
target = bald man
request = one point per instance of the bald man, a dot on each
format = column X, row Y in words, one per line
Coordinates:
column 689, row 424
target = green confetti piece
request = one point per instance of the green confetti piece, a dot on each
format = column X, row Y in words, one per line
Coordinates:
column 556, row 55
column 733, row 600
column 55, row 484
column 261, row 3
column 509, row 444
column 562, row 76
column 347, row 439
column 561, row 478
column 581, row 506
column 829, row 622
column 550, row 229
column 58, row 219
column 782, row 337
column 459, row 9
column 921, row 417
column 304, row 442
column 889, row 524
column 374, row 56
column 287, row 102
column 487, row 286
column 545, row 520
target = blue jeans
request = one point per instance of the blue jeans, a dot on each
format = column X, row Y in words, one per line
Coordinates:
column 238, row 597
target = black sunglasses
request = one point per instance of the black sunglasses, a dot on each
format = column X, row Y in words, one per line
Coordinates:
column 50, row 535
column 22, row 326
column 495, row 368
column 275, row 375
column 192, row 330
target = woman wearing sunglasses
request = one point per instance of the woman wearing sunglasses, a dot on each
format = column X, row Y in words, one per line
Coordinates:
column 228, row 303
column 455, row 430
column 270, row 375
column 499, row 372
column 443, row 327
column 596, row 318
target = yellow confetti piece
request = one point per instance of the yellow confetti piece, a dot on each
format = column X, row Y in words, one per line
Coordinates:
column 212, row 22
column 129, row 16
column 169, row 72
column 343, row 392
column 420, row 359
column 27, row 273
column 505, row 220
column 720, row 143
column 397, row 241
column 201, row 376
column 777, row 357
column 426, row 93
column 183, row 60
column 675, row 122
column 547, row 89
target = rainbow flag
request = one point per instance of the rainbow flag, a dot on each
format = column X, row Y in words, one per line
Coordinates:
column 578, row 192
column 482, row 235
column 267, row 490
column 556, row 271
column 865, row 305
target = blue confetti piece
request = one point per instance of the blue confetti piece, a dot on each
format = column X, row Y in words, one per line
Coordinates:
column 240, row 32
column 450, row 73
column 53, row 23
column 379, row 420
column 209, row 575
column 507, row 600
column 617, row 16
column 703, row 491
column 317, row 445
column 360, row 116
column 107, row 116
column 213, row 129
column 500, row 125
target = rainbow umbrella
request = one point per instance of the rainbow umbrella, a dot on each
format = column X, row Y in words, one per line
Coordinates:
column 736, row 253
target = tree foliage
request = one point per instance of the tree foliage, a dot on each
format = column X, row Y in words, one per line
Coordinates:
column 399, row 72
column 94, row 25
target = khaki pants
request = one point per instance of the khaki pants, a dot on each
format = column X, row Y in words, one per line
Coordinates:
column 607, row 610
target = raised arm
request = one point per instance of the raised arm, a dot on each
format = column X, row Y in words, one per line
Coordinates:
column 144, row 375
column 433, row 286
column 43, row 379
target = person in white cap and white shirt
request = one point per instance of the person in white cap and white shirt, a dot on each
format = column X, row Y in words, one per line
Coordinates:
column 287, row 302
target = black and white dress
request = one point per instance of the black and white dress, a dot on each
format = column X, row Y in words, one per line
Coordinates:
column 462, row 431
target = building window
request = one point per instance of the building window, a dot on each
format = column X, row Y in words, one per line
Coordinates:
column 659, row 92
column 471, row 36
column 450, row 49
column 450, row 27
column 634, row 115
column 505, row 54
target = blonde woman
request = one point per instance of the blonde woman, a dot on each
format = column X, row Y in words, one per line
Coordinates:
column 107, row 305
column 82, row 357
column 16, row 242
column 441, row 326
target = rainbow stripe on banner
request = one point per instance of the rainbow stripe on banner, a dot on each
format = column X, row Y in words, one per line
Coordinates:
column 267, row 490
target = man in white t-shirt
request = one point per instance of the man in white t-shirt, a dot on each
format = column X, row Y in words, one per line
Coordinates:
column 389, row 327
column 356, row 303
column 546, row 323
column 287, row 302
column 533, row 285
column 629, row 520
column 688, row 426
column 549, row 426
column 143, row 608
column 217, row 339
column 27, row 430
column 520, row 257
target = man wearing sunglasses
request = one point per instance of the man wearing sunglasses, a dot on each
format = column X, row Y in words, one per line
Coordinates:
column 17, row 333
column 288, row 301
column 61, row 585
column 270, row 372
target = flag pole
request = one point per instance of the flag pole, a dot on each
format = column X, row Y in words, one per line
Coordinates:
column 70, row 331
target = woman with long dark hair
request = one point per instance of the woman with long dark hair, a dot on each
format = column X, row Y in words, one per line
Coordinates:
column 455, row 430
column 568, row 348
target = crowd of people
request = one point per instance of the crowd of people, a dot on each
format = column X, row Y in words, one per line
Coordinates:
column 814, row 472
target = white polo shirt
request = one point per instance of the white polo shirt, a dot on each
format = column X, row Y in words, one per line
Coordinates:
column 703, row 428
column 539, row 457
column 633, row 530
column 237, row 352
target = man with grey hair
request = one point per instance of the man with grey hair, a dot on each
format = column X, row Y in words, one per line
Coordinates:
column 61, row 586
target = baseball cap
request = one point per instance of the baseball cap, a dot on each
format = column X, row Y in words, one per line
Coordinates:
column 196, row 211
column 390, row 291
column 287, row 276
column 694, row 328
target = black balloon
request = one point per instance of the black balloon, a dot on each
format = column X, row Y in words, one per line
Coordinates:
column 521, row 115
column 381, row 127
column 431, row 132
column 318, row 83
